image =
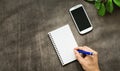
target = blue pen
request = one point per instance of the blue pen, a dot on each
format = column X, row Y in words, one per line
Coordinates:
column 85, row 52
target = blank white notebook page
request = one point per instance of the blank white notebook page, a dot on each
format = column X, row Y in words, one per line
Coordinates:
column 64, row 44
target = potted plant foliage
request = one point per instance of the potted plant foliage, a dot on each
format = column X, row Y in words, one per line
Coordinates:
column 105, row 6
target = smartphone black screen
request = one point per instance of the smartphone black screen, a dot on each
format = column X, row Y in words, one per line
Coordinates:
column 81, row 18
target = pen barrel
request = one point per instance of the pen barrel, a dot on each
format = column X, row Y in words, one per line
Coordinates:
column 85, row 52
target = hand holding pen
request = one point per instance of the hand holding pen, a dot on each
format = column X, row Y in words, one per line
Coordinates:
column 90, row 61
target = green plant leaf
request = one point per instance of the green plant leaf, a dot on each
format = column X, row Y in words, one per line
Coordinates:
column 102, row 10
column 117, row 2
column 109, row 6
column 97, row 5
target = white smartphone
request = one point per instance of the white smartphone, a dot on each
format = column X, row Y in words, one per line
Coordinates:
column 81, row 19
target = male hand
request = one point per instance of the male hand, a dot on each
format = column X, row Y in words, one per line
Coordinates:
column 89, row 62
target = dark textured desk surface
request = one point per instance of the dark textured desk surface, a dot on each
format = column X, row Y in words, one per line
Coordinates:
column 24, row 43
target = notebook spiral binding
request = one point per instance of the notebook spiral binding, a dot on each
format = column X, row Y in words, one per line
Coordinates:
column 51, row 38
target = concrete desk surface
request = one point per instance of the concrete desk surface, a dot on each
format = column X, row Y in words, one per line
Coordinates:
column 24, row 43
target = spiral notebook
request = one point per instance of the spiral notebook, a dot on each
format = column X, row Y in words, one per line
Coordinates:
column 64, row 43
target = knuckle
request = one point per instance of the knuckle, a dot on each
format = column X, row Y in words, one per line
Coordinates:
column 96, row 53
